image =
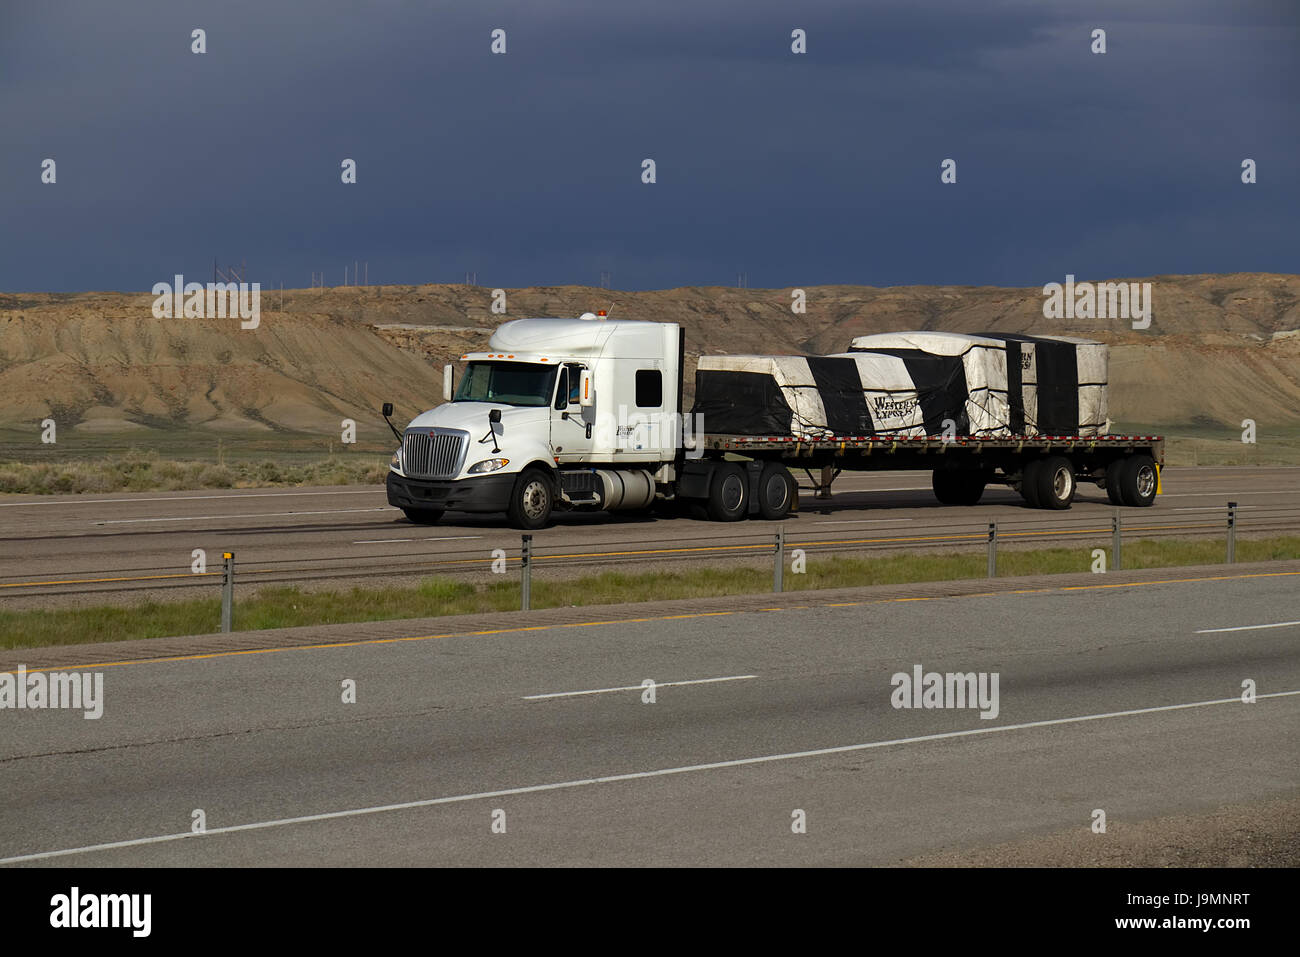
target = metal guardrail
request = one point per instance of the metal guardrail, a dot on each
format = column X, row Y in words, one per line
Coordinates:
column 778, row 543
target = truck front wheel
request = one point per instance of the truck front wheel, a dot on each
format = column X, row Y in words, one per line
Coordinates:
column 531, row 500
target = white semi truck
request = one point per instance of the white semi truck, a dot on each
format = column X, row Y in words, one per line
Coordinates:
column 586, row 413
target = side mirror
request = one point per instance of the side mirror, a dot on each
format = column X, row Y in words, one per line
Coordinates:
column 386, row 410
column 448, row 382
column 494, row 415
column 586, row 395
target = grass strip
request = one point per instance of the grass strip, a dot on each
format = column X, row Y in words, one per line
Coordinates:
column 149, row 472
column 284, row 607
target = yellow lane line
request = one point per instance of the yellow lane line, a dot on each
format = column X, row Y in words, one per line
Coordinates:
column 623, row 621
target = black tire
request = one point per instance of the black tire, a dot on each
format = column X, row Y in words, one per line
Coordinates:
column 945, row 485
column 423, row 516
column 959, row 486
column 531, row 500
column 776, row 492
column 1137, row 481
column 1029, row 482
column 1056, row 483
column 728, row 493
column 1114, row 472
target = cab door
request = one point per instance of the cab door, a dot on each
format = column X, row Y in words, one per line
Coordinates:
column 571, row 425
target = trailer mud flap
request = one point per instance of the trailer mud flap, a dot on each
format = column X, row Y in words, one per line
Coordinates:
column 753, row 472
column 695, row 480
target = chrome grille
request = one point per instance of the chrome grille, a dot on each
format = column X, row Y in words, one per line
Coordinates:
column 433, row 453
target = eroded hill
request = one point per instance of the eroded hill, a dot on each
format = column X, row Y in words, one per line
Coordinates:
column 1220, row 347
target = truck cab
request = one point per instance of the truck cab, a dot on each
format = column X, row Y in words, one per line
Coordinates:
column 557, row 413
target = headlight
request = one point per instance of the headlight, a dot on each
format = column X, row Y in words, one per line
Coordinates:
column 487, row 465
column 397, row 460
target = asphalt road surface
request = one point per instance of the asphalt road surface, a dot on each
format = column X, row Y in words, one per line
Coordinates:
column 95, row 548
column 1125, row 699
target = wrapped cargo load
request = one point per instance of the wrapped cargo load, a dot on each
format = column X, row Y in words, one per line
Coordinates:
column 979, row 361
column 1056, row 384
column 812, row 397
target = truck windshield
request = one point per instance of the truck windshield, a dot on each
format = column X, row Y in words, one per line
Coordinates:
column 510, row 383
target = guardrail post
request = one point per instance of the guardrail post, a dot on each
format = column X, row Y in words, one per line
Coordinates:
column 1232, row 532
column 778, row 561
column 1116, row 529
column 993, row 549
column 227, row 591
column 526, row 574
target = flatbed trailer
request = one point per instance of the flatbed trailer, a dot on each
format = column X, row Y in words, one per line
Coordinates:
column 1044, row 469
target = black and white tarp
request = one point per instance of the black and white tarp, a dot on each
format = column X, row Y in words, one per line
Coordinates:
column 822, row 396
column 930, row 356
column 911, row 384
column 1056, row 384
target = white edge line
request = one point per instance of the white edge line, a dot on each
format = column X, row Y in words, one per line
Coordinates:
column 204, row 518
column 631, row 776
column 437, row 538
column 62, row 500
column 866, row 521
column 658, row 684
column 1280, row 624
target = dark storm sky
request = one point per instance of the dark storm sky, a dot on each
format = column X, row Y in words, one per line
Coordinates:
column 526, row 168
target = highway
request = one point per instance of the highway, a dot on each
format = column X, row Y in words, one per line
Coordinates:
column 126, row 546
column 1124, row 698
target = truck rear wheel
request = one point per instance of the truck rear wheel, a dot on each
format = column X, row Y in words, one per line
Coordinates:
column 531, row 500
column 1137, row 481
column 1029, row 481
column 423, row 516
column 1114, row 473
column 776, row 492
column 728, row 493
column 959, row 486
column 1056, row 482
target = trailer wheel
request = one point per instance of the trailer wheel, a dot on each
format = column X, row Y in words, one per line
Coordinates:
column 1056, row 483
column 728, row 493
column 531, row 500
column 1137, row 481
column 776, row 492
column 423, row 516
column 1029, row 481
column 1114, row 476
column 959, row 486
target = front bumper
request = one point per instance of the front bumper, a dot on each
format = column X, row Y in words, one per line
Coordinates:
column 486, row 493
